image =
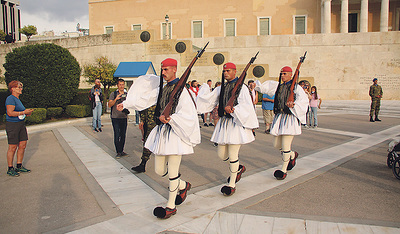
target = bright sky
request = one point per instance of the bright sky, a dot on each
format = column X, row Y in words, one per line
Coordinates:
column 56, row 15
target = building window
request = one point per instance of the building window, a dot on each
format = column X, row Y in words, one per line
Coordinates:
column 136, row 27
column 108, row 29
column 264, row 25
column 230, row 27
column 197, row 29
column 353, row 22
column 166, row 34
column 300, row 24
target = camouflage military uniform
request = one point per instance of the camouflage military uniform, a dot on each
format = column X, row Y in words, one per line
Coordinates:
column 375, row 92
column 147, row 117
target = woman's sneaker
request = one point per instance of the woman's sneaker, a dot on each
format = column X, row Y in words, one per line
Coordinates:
column 22, row 169
column 12, row 172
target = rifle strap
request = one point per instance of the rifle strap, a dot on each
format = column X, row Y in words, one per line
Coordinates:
column 157, row 111
column 221, row 107
column 194, row 102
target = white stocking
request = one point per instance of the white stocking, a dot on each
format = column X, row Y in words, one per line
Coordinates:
column 286, row 143
column 175, row 183
column 231, row 152
column 223, row 152
column 278, row 142
column 160, row 165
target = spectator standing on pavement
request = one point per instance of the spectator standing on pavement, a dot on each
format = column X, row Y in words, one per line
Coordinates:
column 306, row 88
column 96, row 98
column 119, row 119
column 315, row 104
column 375, row 92
column 288, row 117
column 253, row 92
column 268, row 111
column 17, row 134
column 194, row 90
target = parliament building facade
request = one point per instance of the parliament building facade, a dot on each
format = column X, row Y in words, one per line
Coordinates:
column 224, row 18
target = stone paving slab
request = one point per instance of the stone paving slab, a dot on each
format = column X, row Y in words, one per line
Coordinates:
column 52, row 196
column 363, row 188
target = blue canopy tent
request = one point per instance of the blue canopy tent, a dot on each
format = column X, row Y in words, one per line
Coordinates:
column 129, row 71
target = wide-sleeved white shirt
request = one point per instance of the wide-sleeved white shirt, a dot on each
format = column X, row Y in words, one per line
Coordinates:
column 181, row 134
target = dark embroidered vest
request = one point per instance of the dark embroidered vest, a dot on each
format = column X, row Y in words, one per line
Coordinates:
column 224, row 96
column 281, row 96
column 163, row 100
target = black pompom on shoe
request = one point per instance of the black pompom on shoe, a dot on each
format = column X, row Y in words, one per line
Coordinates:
column 292, row 162
column 280, row 175
column 228, row 191
column 163, row 213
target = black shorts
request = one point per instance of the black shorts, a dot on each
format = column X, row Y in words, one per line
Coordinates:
column 16, row 132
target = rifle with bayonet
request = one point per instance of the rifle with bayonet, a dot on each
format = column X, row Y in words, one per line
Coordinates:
column 239, row 83
column 176, row 92
column 295, row 77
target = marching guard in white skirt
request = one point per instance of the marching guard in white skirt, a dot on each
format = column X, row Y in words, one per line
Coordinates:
column 235, row 125
column 288, row 117
column 173, row 136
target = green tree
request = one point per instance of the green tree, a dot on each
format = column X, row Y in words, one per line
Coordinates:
column 2, row 79
column 104, row 70
column 28, row 31
column 2, row 35
column 49, row 72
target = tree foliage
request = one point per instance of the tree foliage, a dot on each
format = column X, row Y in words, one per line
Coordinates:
column 2, row 78
column 29, row 31
column 104, row 70
column 2, row 35
column 50, row 74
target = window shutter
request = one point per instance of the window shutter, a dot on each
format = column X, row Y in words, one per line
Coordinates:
column 197, row 29
column 230, row 27
column 300, row 22
column 264, row 26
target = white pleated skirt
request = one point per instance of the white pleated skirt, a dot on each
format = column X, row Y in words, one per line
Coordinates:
column 228, row 132
column 285, row 124
column 162, row 140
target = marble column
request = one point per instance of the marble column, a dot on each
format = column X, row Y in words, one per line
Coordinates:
column 384, row 15
column 364, row 16
column 344, row 17
column 322, row 17
column 327, row 16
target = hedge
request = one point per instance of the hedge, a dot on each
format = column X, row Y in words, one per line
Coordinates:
column 81, row 97
column 49, row 72
column 54, row 112
column 78, row 110
column 3, row 96
column 37, row 116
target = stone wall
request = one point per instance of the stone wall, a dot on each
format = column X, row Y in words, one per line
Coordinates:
column 342, row 66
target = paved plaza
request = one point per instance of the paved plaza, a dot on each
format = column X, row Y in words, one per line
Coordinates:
column 341, row 183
